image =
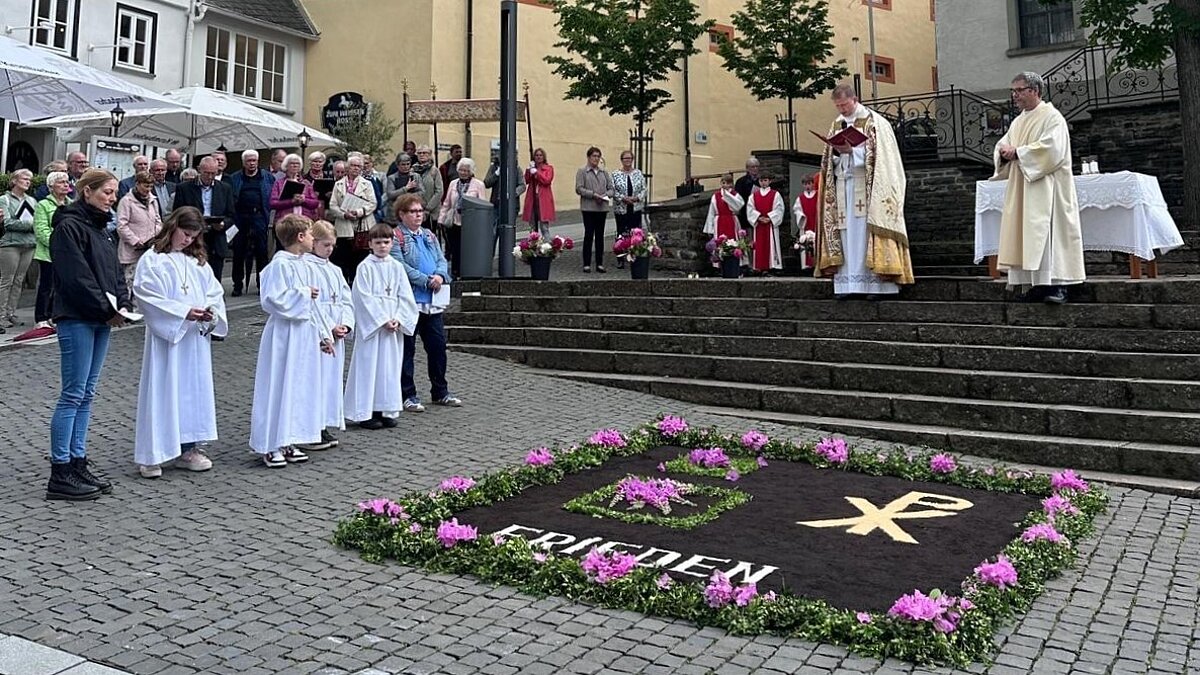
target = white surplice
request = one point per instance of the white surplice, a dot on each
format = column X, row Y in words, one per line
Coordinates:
column 175, row 394
column 287, row 374
column 854, row 276
column 775, row 215
column 381, row 293
column 337, row 309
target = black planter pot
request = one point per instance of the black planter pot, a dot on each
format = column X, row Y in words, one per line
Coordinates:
column 640, row 268
column 731, row 268
column 539, row 268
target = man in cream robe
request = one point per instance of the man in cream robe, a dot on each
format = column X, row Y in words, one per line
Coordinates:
column 862, row 241
column 1041, row 244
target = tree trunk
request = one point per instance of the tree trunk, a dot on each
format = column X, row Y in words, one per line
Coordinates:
column 1187, row 65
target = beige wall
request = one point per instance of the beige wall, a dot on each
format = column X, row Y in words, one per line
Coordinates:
column 434, row 50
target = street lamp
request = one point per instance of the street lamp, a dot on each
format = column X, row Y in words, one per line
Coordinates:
column 116, row 117
column 303, row 138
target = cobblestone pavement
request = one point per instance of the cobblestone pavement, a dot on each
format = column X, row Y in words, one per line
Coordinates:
column 233, row 571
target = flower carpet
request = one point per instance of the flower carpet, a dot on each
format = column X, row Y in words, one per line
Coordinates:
column 900, row 553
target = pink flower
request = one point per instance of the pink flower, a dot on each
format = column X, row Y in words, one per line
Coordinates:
column 449, row 532
column 943, row 612
column 637, row 232
column 1056, row 504
column 732, row 475
column 670, row 426
column 1043, row 532
column 664, row 581
column 497, row 539
column 1068, row 480
column 762, row 461
column 718, row 592
column 743, row 594
column 656, row 252
column 863, row 617
column 754, row 440
column 524, row 245
column 658, row 493
column 568, row 243
column 609, row 438
column 535, row 235
column 834, row 450
column 942, row 463
column 381, row 506
column 769, row 597
column 709, row 458
column 662, row 467
column 743, row 234
column 457, row 484
column 539, row 556
column 415, row 528
column 737, row 252
column 602, row 568
column 1000, row 574
column 539, row 457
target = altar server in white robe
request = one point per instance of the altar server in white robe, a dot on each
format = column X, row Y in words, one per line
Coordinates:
column 384, row 312
column 286, row 378
column 1041, row 243
column 337, row 316
column 764, row 210
column 862, row 241
column 183, row 305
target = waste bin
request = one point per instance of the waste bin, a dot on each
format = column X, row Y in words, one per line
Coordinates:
column 477, row 237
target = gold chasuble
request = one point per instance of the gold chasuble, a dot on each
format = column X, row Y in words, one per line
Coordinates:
column 1039, row 229
column 880, row 199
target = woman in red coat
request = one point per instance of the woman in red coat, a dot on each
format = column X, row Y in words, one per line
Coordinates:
column 539, row 198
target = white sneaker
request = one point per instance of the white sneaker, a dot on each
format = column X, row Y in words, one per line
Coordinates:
column 193, row 460
column 274, row 459
column 293, row 455
column 150, row 470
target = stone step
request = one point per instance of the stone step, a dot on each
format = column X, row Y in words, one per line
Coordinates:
column 909, row 382
column 1080, row 315
column 996, row 446
column 1107, row 340
column 1150, row 444
column 728, row 341
column 1116, row 289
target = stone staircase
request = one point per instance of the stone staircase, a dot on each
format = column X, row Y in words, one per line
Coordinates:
column 1108, row 383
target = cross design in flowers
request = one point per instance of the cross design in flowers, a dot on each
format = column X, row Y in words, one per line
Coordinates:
column 884, row 519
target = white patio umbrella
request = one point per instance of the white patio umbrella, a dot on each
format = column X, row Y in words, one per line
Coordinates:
column 200, row 120
column 36, row 84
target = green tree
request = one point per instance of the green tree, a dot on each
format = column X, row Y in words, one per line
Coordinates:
column 1173, row 29
column 619, row 51
column 371, row 134
column 781, row 49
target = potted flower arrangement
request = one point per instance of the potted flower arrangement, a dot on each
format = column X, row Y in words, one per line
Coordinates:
column 805, row 244
column 638, row 247
column 538, row 252
column 730, row 253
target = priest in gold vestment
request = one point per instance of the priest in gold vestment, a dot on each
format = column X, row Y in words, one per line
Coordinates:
column 1041, row 244
column 862, row 241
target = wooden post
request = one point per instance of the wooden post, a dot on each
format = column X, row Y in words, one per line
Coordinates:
column 1135, row 267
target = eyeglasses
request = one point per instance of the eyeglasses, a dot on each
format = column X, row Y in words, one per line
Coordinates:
column 1017, row 90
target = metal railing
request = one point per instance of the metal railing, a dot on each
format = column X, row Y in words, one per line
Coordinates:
column 960, row 124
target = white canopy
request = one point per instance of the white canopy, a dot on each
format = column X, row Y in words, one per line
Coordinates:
column 36, row 83
column 199, row 120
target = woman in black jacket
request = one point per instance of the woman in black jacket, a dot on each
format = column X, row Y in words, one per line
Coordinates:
column 88, row 281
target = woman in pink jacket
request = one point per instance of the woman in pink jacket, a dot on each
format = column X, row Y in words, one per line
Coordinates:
column 138, row 223
column 539, row 196
column 466, row 185
column 305, row 203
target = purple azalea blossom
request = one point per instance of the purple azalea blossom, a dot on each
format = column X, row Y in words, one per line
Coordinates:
column 450, row 532
column 761, row 461
column 602, row 567
column 457, row 484
column 942, row 463
column 834, row 450
column 742, row 595
column 671, row 426
column 943, row 612
column 863, row 617
column 1068, row 480
column 1000, row 574
column 415, row 528
column 1043, row 531
column 718, row 592
column 539, row 457
column 664, row 581
column 709, row 458
column 1056, row 504
column 609, row 438
column 381, row 506
column 655, row 492
column 754, row 440
column 539, row 556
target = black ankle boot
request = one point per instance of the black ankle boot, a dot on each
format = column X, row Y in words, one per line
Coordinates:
column 64, row 484
column 80, row 464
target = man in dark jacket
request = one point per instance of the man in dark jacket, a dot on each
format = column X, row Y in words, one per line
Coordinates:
column 744, row 186
column 215, row 201
column 252, row 213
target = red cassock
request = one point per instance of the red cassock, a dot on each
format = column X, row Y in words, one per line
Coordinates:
column 727, row 222
column 809, row 206
column 763, row 203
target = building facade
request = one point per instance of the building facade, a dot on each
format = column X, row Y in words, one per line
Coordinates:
column 453, row 45
column 255, row 49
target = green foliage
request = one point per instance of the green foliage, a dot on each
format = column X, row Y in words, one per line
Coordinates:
column 515, row 563
column 618, row 51
column 371, row 135
column 780, row 49
column 6, row 182
column 1139, row 44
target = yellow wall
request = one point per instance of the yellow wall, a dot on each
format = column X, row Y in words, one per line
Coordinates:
column 366, row 56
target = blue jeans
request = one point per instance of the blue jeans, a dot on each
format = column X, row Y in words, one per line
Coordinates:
column 432, row 332
column 82, row 346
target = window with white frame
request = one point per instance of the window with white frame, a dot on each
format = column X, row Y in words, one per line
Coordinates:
column 136, row 33
column 60, row 16
column 245, row 66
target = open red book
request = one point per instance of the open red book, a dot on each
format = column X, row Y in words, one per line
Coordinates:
column 849, row 136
